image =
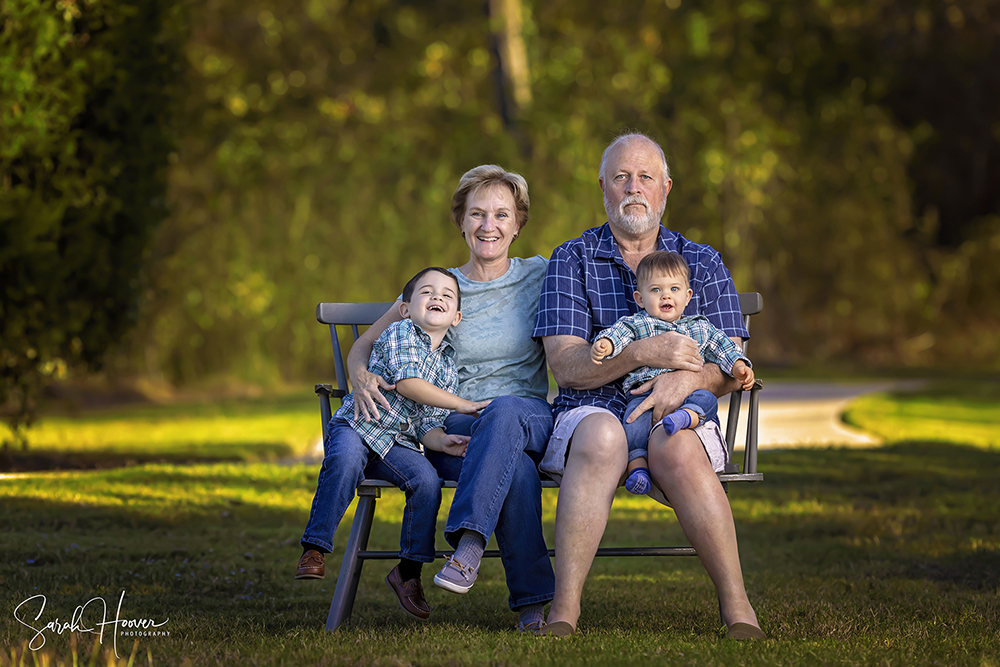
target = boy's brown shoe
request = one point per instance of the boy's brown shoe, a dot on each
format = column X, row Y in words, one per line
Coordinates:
column 311, row 566
column 410, row 595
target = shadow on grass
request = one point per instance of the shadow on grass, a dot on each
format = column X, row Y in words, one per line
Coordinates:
column 38, row 460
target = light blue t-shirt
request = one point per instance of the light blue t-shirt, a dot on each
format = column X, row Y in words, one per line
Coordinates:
column 495, row 354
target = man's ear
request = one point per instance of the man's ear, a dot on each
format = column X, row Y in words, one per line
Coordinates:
column 404, row 310
column 458, row 318
column 638, row 299
column 667, row 186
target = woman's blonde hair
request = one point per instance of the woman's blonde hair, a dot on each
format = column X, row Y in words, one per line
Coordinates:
column 488, row 175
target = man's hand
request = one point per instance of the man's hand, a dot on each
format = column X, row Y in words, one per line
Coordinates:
column 744, row 374
column 668, row 350
column 601, row 348
column 670, row 389
column 367, row 396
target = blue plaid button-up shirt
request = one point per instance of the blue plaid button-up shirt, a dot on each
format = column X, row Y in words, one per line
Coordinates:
column 588, row 287
column 715, row 347
column 403, row 351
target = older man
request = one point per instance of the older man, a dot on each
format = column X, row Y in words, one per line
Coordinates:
column 588, row 286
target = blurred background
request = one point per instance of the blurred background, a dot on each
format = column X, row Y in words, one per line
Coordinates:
column 181, row 183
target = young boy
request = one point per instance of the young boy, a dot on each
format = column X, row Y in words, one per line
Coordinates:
column 664, row 293
column 412, row 354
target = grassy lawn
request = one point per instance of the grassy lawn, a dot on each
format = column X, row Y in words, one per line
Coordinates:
column 953, row 411
column 886, row 556
column 252, row 429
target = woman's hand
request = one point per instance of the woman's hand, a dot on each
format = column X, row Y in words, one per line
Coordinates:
column 367, row 396
column 471, row 407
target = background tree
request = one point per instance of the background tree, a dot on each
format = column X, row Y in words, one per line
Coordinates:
column 841, row 154
column 86, row 92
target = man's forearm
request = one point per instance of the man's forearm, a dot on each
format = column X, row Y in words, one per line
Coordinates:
column 716, row 381
column 572, row 367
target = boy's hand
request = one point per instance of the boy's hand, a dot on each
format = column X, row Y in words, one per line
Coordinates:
column 601, row 348
column 454, row 444
column 744, row 374
column 471, row 407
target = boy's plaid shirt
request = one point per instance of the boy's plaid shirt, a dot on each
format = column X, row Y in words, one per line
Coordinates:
column 404, row 351
column 715, row 347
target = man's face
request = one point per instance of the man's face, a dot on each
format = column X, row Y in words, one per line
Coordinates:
column 635, row 187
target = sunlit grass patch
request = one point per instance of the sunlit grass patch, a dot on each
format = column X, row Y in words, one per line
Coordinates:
column 967, row 413
column 250, row 430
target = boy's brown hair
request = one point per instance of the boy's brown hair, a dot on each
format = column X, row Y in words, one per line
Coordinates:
column 662, row 261
column 412, row 284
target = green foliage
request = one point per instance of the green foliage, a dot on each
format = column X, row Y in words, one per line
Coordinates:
column 324, row 140
column 87, row 92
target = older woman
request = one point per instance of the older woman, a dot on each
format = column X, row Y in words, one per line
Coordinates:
column 499, row 491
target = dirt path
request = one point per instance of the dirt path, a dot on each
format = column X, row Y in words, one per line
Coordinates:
column 807, row 414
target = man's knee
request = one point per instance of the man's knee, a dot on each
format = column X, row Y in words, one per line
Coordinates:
column 600, row 440
column 675, row 454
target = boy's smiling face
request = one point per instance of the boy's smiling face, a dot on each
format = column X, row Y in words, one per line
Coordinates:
column 664, row 296
column 434, row 304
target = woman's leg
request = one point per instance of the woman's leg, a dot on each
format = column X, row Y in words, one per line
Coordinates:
column 499, row 491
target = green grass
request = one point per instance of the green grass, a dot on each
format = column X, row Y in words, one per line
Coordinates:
column 883, row 556
column 954, row 411
column 253, row 429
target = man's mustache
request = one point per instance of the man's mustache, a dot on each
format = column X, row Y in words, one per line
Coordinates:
column 632, row 199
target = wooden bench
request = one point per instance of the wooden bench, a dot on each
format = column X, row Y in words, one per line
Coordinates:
column 355, row 315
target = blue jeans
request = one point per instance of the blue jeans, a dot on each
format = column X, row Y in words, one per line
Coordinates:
column 702, row 402
column 500, row 491
column 347, row 461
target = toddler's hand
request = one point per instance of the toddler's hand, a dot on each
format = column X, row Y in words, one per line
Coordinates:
column 601, row 348
column 744, row 374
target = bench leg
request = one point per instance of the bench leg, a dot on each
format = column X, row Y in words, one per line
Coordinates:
column 350, row 569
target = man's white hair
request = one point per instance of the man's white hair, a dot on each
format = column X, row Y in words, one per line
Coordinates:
column 628, row 138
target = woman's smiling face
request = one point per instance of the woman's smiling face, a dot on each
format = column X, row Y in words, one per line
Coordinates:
column 490, row 223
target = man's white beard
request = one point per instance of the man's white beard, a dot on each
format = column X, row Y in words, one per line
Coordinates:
column 634, row 223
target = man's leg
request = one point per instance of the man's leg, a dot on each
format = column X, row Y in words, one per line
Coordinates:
column 597, row 458
column 681, row 468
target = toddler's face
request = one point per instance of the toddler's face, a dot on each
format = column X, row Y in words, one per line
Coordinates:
column 664, row 296
column 434, row 304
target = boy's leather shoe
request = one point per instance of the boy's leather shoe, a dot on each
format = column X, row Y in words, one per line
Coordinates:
column 311, row 566
column 410, row 595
